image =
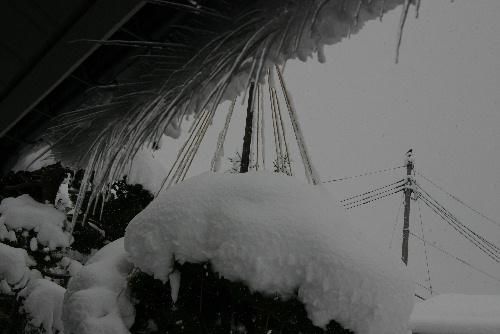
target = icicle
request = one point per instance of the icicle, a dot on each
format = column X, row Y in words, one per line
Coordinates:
column 357, row 12
column 175, row 283
column 257, row 129
column 283, row 133
column 262, row 134
column 382, row 10
column 219, row 151
column 402, row 22
column 417, row 8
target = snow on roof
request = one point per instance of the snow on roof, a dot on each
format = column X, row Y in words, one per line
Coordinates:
column 24, row 212
column 97, row 300
column 457, row 314
column 278, row 235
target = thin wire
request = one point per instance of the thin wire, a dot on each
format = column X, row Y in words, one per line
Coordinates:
column 486, row 246
column 424, row 287
column 365, row 174
column 425, row 247
column 373, row 200
column 457, row 258
column 476, row 243
column 371, row 191
column 419, row 297
column 458, row 200
column 373, row 196
column 456, row 221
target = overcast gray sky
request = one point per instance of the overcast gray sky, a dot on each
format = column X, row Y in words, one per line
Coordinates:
column 360, row 112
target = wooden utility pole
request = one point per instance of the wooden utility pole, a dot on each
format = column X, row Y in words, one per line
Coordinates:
column 247, row 138
column 408, row 190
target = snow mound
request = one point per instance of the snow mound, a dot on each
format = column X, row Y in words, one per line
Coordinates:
column 457, row 314
column 24, row 212
column 14, row 264
column 97, row 300
column 278, row 235
column 43, row 304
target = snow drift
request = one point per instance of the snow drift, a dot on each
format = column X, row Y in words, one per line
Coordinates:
column 457, row 314
column 277, row 235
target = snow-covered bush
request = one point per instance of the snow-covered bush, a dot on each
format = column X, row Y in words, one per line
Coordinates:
column 97, row 299
column 277, row 236
column 196, row 299
column 42, row 303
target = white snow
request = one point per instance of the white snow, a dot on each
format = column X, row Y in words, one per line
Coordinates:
column 14, row 264
column 277, row 235
column 175, row 284
column 43, row 304
column 24, row 212
column 97, row 299
column 148, row 170
column 71, row 265
column 63, row 200
column 457, row 314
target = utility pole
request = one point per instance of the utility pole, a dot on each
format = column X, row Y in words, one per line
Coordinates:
column 247, row 138
column 407, row 191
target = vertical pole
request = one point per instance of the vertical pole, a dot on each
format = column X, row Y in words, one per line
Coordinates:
column 247, row 138
column 408, row 190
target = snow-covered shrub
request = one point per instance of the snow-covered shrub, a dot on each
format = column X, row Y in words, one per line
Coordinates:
column 35, row 227
column 14, row 265
column 277, row 236
column 205, row 302
column 42, row 303
column 97, row 298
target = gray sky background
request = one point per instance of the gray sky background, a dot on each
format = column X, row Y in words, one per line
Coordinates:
column 360, row 112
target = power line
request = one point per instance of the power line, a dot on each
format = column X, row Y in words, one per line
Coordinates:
column 371, row 191
column 419, row 297
column 456, row 221
column 467, row 236
column 370, row 196
column 365, row 174
column 425, row 287
column 425, row 248
column 456, row 258
column 373, row 200
column 486, row 246
column 459, row 200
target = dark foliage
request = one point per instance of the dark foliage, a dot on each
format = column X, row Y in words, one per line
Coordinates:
column 126, row 201
column 41, row 184
column 208, row 303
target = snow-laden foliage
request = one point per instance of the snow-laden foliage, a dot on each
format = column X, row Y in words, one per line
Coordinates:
column 277, row 235
column 24, row 213
column 97, row 298
column 14, row 265
column 457, row 314
column 42, row 302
